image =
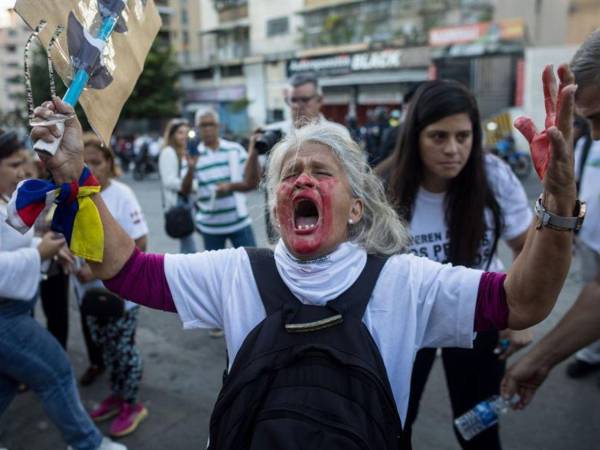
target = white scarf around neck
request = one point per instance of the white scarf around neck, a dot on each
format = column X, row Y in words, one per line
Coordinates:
column 323, row 279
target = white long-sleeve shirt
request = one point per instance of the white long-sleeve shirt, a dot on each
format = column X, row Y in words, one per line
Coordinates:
column 20, row 262
column 19, row 273
column 171, row 178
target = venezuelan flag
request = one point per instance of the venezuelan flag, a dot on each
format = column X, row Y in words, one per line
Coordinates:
column 76, row 216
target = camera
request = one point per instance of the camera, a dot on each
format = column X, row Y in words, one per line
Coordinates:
column 267, row 140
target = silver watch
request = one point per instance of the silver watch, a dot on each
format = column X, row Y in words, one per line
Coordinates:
column 560, row 223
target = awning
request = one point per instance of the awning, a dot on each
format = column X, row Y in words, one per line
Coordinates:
column 229, row 26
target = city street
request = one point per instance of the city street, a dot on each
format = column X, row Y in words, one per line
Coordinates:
column 182, row 376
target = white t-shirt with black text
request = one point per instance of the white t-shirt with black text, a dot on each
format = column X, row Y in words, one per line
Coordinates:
column 428, row 224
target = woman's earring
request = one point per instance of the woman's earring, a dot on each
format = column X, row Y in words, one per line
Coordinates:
column 350, row 221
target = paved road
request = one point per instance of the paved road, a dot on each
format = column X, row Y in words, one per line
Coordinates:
column 183, row 371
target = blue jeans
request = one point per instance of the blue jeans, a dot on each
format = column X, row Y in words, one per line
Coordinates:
column 240, row 238
column 187, row 244
column 31, row 355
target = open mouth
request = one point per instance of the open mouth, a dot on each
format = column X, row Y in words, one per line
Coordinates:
column 306, row 215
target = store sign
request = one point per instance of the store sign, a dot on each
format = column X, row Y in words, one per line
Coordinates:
column 357, row 62
column 331, row 64
column 510, row 29
column 218, row 94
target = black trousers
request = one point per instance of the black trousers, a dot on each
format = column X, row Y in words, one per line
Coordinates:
column 54, row 294
column 472, row 375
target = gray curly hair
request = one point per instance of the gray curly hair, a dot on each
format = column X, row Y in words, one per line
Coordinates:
column 380, row 231
column 586, row 61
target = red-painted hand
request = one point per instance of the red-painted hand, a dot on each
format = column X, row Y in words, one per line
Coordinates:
column 539, row 143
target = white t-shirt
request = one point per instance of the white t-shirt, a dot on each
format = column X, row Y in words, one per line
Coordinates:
column 416, row 303
column 428, row 224
column 228, row 213
column 123, row 205
column 589, row 192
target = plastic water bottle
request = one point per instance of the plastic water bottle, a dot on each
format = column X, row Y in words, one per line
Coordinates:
column 482, row 416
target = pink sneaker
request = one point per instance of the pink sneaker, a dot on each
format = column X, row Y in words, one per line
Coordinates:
column 109, row 407
column 128, row 419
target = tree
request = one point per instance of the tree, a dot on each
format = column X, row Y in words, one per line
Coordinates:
column 156, row 94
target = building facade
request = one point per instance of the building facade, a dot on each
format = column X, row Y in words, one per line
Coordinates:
column 367, row 53
column 583, row 19
column 13, row 36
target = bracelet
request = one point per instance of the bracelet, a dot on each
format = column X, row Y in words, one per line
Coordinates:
column 559, row 223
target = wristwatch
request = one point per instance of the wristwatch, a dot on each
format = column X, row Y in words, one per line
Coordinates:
column 560, row 223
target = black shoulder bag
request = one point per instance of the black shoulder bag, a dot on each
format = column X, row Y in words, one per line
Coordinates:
column 178, row 219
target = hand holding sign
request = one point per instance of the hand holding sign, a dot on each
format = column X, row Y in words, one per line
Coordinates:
column 66, row 164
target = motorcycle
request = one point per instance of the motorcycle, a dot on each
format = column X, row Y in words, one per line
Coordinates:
column 519, row 161
column 144, row 162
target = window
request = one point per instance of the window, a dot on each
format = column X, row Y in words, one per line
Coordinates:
column 274, row 115
column 203, row 74
column 184, row 17
column 232, row 71
column 279, row 26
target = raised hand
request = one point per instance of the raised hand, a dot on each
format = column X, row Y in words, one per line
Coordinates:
column 67, row 164
column 552, row 149
column 553, row 103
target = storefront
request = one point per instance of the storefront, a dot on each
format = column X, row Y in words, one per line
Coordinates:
column 486, row 57
column 354, row 83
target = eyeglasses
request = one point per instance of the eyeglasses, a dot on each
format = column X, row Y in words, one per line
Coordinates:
column 207, row 125
column 303, row 100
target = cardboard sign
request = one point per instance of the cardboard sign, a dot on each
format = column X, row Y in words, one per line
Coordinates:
column 121, row 60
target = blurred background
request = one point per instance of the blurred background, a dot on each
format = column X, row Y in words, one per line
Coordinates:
column 236, row 55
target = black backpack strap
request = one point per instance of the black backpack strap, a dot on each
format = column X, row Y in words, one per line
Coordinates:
column 273, row 291
column 354, row 300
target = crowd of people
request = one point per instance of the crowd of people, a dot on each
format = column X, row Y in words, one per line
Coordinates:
column 384, row 251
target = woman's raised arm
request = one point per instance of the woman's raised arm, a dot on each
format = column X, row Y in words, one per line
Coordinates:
column 537, row 275
column 66, row 166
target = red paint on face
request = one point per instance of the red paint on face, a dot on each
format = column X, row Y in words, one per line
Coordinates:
column 313, row 202
column 320, row 192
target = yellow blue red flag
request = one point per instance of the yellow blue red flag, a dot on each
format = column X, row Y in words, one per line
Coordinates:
column 76, row 216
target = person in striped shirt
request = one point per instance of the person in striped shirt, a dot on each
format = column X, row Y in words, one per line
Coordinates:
column 224, row 171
